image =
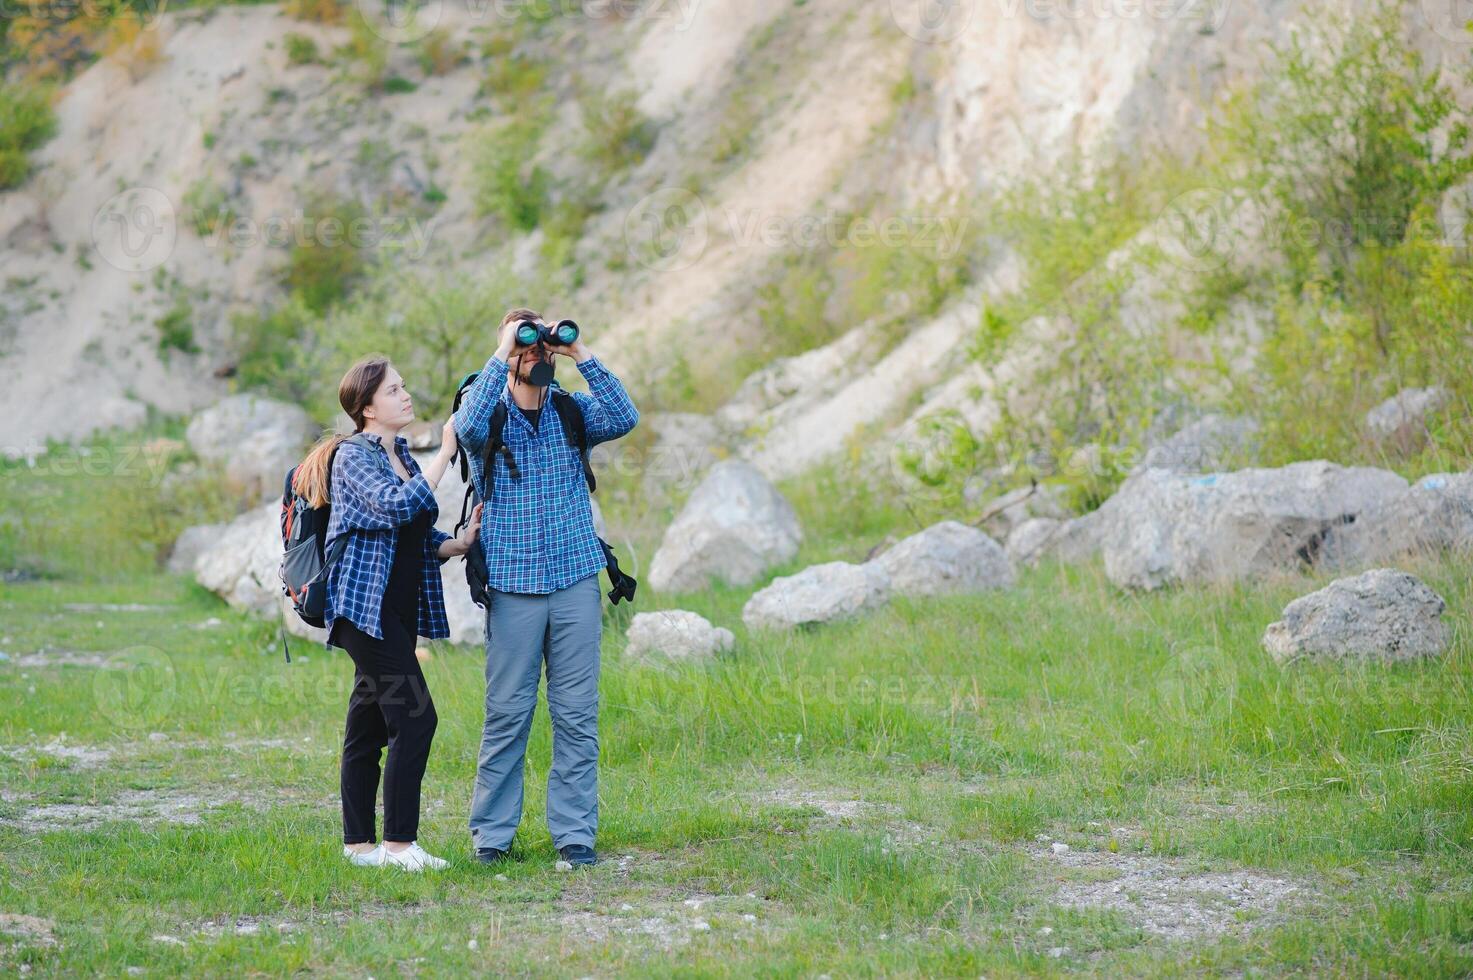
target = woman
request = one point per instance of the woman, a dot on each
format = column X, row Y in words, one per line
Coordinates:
column 382, row 592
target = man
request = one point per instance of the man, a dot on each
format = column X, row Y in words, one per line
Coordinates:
column 542, row 563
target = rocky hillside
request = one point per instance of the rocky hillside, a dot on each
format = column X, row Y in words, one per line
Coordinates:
column 697, row 166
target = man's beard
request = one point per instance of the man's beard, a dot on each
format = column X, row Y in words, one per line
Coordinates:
column 537, row 374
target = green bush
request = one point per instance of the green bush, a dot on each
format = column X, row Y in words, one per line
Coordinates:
column 366, row 53
column 508, row 184
column 512, row 78
column 26, row 121
column 276, row 351
column 300, row 49
column 326, row 260
column 207, row 208
column 176, row 329
column 618, row 136
column 437, row 52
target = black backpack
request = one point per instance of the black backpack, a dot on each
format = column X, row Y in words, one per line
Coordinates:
column 571, row 417
column 304, row 562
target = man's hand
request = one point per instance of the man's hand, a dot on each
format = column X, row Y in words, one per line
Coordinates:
column 507, row 344
column 576, row 350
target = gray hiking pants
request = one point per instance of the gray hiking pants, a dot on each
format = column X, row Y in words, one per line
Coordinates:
column 561, row 629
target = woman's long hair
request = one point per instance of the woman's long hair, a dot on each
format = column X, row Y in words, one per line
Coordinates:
column 313, row 479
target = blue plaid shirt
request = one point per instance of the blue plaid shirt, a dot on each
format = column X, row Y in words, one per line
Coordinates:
column 369, row 504
column 537, row 531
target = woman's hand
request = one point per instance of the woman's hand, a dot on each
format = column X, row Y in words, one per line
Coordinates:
column 472, row 530
column 448, row 440
column 462, row 543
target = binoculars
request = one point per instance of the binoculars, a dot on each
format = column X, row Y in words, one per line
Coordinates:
column 560, row 334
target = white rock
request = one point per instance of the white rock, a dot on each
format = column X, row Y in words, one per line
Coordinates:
column 817, row 594
column 1383, row 614
column 190, row 544
column 1403, row 417
column 1162, row 528
column 257, row 439
column 946, row 558
column 1200, row 447
column 1433, row 517
column 243, row 564
column 1029, row 540
column 676, row 634
column 1058, row 847
column 734, row 526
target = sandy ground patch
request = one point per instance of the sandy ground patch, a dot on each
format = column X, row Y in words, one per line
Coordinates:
column 1168, row 897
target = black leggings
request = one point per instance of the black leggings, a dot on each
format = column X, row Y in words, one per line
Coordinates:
column 391, row 706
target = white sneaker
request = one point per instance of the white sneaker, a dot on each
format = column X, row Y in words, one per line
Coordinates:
column 368, row 859
column 413, row 858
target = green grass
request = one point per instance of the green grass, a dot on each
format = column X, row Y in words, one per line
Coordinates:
column 1147, row 727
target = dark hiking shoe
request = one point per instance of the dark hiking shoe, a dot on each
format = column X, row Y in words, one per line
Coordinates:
column 578, row 855
column 490, row 855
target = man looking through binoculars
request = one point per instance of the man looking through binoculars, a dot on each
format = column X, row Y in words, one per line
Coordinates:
column 542, row 563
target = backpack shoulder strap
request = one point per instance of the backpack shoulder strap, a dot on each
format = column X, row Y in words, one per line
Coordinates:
column 496, row 443
column 576, row 430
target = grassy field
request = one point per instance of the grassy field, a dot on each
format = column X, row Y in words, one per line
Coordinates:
column 1055, row 779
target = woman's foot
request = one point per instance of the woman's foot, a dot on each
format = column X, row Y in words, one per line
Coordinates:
column 364, row 855
column 411, row 857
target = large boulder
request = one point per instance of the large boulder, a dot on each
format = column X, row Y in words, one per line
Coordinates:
column 242, row 565
column 1433, row 517
column 1201, row 447
column 1162, row 528
column 945, row 558
column 256, row 439
column 1402, row 419
column 191, row 543
column 1383, row 614
column 675, row 634
column 734, row 526
column 818, row 594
